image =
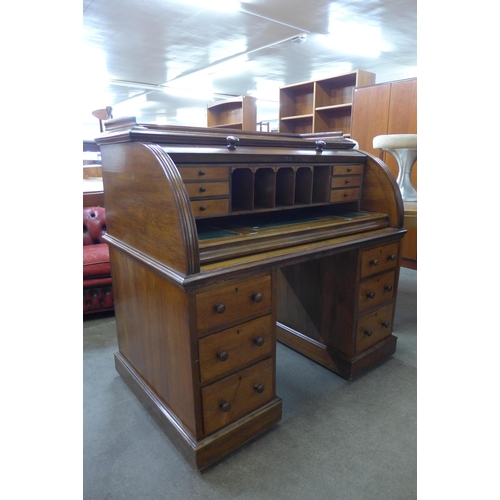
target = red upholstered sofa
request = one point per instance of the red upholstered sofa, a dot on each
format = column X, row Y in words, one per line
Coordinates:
column 97, row 291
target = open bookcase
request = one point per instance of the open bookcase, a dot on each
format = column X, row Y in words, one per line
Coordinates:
column 322, row 105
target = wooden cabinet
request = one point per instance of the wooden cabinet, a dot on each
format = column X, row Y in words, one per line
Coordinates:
column 235, row 389
column 239, row 113
column 388, row 108
column 310, row 319
column 297, row 238
column 321, row 106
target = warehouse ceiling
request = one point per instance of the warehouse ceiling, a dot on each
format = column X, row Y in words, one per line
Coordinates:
column 164, row 61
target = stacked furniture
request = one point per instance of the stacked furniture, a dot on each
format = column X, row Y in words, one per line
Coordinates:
column 223, row 244
column 386, row 109
column 97, row 289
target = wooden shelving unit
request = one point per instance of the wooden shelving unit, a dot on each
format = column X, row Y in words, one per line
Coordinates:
column 239, row 113
column 322, row 105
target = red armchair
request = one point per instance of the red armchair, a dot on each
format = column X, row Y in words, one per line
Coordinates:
column 97, row 291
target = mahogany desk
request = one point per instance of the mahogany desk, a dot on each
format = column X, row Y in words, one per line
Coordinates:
column 221, row 245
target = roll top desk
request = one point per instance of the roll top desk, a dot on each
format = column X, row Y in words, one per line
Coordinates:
column 220, row 246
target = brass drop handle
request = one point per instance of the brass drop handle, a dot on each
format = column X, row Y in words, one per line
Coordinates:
column 388, row 288
column 374, row 262
column 259, row 388
column 370, row 295
column 368, row 333
column 202, row 172
column 224, row 406
column 222, row 355
column 220, row 308
column 203, row 189
column 259, row 341
column 385, row 324
column 391, row 257
column 257, row 297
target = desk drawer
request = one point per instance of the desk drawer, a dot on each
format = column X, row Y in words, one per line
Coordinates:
column 339, row 195
column 204, row 173
column 226, row 351
column 376, row 291
column 233, row 302
column 237, row 395
column 374, row 327
column 343, row 181
column 204, row 189
column 379, row 259
column 206, row 208
column 347, row 169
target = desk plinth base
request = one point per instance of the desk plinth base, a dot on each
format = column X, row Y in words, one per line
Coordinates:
column 348, row 367
column 204, row 452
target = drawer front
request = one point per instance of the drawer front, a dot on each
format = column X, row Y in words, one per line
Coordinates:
column 230, row 349
column 379, row 259
column 346, row 181
column 209, row 208
column 376, row 291
column 339, row 195
column 203, row 173
column 347, row 169
column 374, row 327
column 233, row 302
column 203, row 189
column 237, row 395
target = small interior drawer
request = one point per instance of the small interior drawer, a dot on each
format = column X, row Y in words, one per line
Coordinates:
column 233, row 302
column 201, row 173
column 227, row 351
column 237, row 395
column 376, row 291
column 206, row 208
column 345, row 181
column 339, row 195
column 375, row 260
column 373, row 327
column 204, row 189
column 347, row 169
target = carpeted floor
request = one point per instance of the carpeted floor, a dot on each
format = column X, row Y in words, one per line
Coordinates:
column 337, row 440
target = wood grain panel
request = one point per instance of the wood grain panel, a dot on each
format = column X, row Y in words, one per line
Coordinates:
column 236, row 347
column 370, row 115
column 380, row 192
column 147, row 207
column 403, row 97
column 154, row 334
column 240, row 392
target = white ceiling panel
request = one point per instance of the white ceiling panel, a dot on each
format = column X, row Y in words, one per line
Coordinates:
column 164, row 60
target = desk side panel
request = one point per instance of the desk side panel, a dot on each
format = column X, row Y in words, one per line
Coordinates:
column 147, row 207
column 381, row 193
column 153, row 330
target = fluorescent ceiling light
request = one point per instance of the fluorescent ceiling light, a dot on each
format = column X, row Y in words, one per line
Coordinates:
column 220, row 5
column 351, row 37
column 355, row 38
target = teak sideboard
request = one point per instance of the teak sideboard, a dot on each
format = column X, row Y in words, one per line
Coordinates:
column 220, row 245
